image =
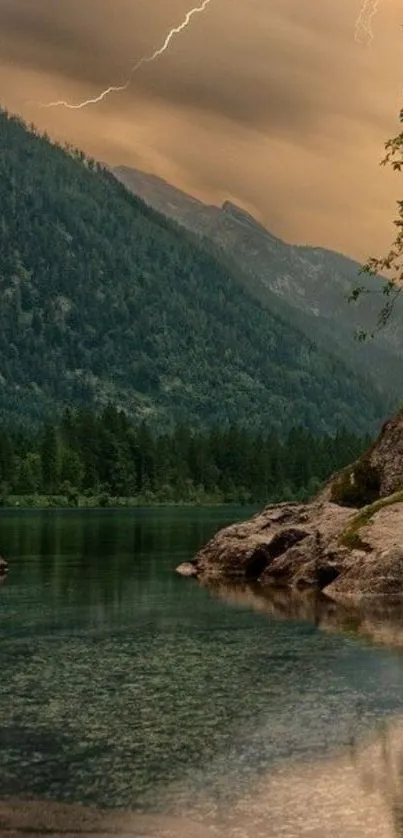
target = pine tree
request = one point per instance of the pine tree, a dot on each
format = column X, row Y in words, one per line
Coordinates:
column 50, row 459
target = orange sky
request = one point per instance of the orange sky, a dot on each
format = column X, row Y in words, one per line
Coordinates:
column 270, row 103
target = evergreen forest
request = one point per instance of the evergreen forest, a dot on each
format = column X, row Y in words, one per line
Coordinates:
column 89, row 459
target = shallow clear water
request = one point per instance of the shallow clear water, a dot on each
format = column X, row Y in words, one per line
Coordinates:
column 125, row 685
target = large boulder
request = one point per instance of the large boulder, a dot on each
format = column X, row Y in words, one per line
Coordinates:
column 285, row 545
column 347, row 542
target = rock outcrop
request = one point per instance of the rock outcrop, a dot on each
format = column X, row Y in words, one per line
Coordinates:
column 347, row 542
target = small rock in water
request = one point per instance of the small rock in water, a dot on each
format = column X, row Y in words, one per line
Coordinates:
column 187, row 569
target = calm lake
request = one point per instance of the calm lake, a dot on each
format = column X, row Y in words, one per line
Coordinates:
column 126, row 687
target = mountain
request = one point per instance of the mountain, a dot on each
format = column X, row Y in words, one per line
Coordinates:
column 308, row 286
column 104, row 300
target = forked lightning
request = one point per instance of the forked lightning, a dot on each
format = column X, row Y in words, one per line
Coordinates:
column 146, row 60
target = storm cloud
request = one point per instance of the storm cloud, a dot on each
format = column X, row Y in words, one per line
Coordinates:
column 270, row 103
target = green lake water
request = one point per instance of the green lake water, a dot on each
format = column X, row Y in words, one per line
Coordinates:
column 125, row 686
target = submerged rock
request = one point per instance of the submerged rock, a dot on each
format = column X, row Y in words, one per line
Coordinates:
column 347, row 542
column 3, row 566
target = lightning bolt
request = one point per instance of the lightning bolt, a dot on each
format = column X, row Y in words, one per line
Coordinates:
column 363, row 27
column 120, row 88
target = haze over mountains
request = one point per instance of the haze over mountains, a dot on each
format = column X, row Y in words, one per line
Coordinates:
column 309, row 286
column 105, row 300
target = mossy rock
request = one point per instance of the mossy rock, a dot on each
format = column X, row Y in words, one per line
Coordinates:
column 357, row 486
column 353, row 541
column 351, row 537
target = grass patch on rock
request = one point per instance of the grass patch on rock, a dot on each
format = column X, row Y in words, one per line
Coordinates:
column 351, row 538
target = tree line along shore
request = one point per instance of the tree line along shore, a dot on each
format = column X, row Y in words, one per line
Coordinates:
column 86, row 459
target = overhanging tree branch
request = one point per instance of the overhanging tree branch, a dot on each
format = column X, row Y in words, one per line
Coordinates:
column 392, row 263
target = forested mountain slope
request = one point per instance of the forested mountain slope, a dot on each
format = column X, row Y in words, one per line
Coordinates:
column 308, row 286
column 104, row 300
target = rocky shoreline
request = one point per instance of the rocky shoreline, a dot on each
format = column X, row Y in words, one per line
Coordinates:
column 346, row 543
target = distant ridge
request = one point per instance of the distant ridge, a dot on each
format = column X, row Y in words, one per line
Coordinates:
column 309, row 286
